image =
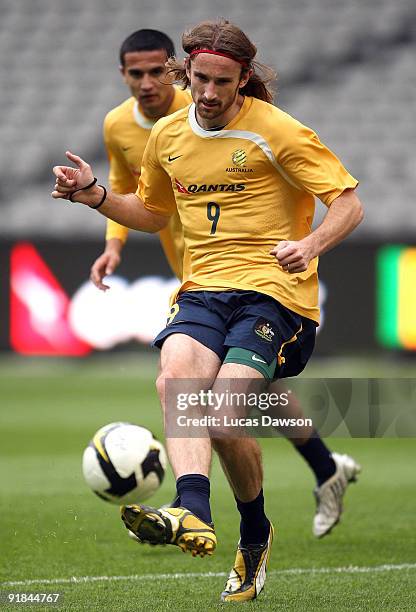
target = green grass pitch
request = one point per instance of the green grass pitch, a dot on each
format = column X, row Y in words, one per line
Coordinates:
column 54, row 528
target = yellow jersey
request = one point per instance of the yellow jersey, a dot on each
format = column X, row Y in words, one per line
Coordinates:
column 239, row 191
column 126, row 132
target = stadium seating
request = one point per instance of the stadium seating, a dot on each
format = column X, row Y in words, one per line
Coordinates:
column 346, row 69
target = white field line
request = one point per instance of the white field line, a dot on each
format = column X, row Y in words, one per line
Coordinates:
column 296, row 571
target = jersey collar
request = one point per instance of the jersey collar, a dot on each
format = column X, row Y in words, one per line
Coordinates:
column 199, row 131
column 141, row 119
column 146, row 122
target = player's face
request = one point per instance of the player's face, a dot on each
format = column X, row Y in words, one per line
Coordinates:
column 144, row 72
column 215, row 83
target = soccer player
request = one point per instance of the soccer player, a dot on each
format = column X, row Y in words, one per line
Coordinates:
column 242, row 175
column 127, row 128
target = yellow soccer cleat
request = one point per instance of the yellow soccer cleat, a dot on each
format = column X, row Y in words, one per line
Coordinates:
column 248, row 575
column 176, row 526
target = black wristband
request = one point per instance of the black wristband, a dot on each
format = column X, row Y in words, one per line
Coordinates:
column 102, row 199
column 82, row 189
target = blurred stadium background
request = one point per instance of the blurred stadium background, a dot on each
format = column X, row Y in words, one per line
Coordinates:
column 345, row 68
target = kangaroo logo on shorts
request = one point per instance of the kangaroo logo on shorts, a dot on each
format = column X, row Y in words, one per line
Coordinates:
column 263, row 329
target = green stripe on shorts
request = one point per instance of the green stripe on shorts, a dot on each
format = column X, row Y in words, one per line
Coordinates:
column 253, row 360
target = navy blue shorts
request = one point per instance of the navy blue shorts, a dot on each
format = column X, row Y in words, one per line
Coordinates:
column 243, row 319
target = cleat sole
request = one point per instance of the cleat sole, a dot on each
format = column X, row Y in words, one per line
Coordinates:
column 146, row 526
column 196, row 545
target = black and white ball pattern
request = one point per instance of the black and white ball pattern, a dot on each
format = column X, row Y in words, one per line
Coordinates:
column 124, row 463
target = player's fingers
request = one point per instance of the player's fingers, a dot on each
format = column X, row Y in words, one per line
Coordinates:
column 280, row 245
column 291, row 258
column 67, row 182
column 96, row 277
column 97, row 269
column 63, row 188
column 286, row 251
column 113, row 262
column 76, row 159
column 275, row 250
column 58, row 195
column 288, row 268
column 296, row 268
column 59, row 172
column 101, row 286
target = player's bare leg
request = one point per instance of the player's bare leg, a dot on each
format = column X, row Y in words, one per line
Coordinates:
column 189, row 525
column 183, row 357
column 240, row 456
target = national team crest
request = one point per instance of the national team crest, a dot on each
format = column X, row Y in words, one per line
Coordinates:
column 263, row 329
column 239, row 157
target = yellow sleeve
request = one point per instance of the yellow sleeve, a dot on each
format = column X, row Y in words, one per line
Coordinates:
column 172, row 241
column 155, row 187
column 115, row 230
column 120, row 179
column 311, row 165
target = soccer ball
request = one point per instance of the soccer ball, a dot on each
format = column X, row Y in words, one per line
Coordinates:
column 124, row 463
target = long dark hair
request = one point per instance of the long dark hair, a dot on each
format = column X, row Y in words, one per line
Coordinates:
column 226, row 37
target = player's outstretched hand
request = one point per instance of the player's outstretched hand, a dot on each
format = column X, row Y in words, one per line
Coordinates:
column 69, row 179
column 104, row 265
column 293, row 255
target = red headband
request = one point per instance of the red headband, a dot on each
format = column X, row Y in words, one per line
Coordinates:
column 229, row 55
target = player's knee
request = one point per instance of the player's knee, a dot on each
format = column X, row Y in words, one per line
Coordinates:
column 165, row 384
column 161, row 387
